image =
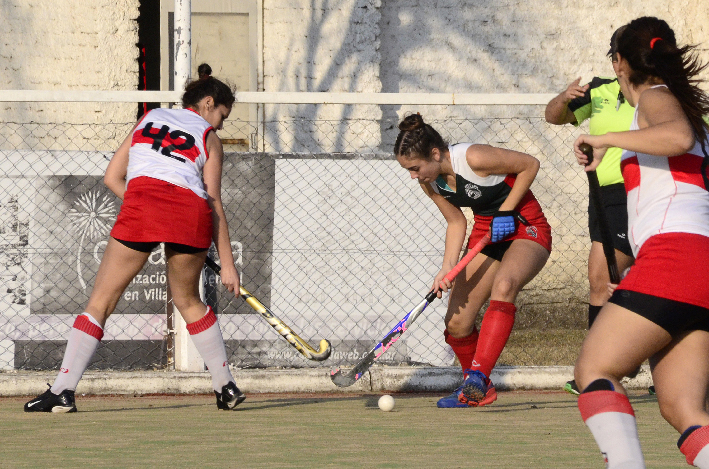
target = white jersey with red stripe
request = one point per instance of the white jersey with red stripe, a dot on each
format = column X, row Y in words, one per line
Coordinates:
column 170, row 145
column 665, row 194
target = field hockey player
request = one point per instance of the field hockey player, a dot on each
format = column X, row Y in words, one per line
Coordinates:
column 660, row 310
column 168, row 174
column 601, row 103
column 494, row 183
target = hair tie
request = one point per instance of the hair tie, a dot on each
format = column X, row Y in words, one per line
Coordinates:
column 653, row 41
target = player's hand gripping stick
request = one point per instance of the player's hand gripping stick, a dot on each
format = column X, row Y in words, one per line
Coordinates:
column 597, row 201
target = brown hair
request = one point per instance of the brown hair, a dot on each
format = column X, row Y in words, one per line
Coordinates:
column 417, row 139
column 197, row 90
column 650, row 47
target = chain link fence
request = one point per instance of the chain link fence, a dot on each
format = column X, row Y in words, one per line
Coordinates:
column 327, row 229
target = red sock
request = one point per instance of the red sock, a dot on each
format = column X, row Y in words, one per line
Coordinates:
column 464, row 347
column 694, row 444
column 494, row 332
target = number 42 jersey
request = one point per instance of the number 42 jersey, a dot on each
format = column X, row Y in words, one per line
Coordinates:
column 170, row 145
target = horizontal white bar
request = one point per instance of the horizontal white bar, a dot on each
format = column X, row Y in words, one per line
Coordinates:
column 257, row 97
column 68, row 96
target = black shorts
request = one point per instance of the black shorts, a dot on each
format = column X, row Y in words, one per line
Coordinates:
column 497, row 250
column 616, row 208
column 148, row 247
column 673, row 316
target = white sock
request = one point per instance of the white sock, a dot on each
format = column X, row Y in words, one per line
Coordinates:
column 83, row 340
column 207, row 337
column 610, row 417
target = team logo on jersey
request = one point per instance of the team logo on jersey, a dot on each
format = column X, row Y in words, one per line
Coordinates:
column 473, row 191
column 532, row 231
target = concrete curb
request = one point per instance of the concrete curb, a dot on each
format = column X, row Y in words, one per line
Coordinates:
column 306, row 380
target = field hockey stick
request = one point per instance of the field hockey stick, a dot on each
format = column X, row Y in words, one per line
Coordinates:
column 294, row 339
column 597, row 201
column 348, row 379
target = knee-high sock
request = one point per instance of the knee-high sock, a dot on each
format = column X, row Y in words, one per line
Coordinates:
column 83, row 340
column 207, row 337
column 463, row 347
column 494, row 332
column 610, row 417
column 694, row 444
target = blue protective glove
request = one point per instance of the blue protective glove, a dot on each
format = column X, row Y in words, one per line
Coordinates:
column 503, row 225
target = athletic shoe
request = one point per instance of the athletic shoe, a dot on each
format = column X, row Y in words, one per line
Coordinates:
column 571, row 388
column 50, row 402
column 230, row 397
column 651, row 390
column 459, row 399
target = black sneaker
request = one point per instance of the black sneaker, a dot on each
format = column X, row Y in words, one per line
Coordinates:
column 49, row 402
column 230, row 397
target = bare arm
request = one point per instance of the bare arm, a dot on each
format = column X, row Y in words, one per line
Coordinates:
column 115, row 177
column 485, row 160
column 212, row 174
column 455, row 235
column 557, row 110
column 664, row 130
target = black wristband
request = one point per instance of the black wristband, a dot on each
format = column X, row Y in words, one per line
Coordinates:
column 514, row 213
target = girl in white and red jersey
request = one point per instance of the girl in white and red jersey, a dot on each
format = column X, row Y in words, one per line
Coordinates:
column 168, row 174
column 660, row 310
column 494, row 183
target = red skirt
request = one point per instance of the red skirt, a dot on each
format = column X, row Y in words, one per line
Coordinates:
column 538, row 230
column 672, row 266
column 158, row 211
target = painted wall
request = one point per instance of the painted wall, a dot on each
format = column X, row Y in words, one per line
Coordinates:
column 68, row 45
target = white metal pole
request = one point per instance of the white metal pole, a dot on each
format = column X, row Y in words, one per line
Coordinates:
column 183, row 43
column 186, row 356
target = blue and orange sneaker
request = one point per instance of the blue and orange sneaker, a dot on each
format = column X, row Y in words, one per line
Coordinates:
column 476, row 391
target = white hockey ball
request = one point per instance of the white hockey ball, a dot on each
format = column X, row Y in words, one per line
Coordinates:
column 386, row 403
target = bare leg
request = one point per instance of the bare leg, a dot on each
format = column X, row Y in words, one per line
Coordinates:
column 119, row 265
column 598, row 277
column 183, row 271
column 470, row 291
column 202, row 325
column 681, row 375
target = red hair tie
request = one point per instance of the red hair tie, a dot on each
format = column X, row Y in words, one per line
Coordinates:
column 653, row 41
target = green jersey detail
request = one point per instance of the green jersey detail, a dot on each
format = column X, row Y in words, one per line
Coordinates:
column 599, row 105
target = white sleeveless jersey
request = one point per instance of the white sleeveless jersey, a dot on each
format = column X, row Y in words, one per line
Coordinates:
column 483, row 195
column 170, row 145
column 665, row 194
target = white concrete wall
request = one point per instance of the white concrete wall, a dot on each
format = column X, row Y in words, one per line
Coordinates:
column 514, row 46
column 68, row 45
column 475, row 46
column 479, row 46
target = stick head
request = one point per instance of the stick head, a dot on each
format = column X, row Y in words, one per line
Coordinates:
column 323, row 352
column 342, row 380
